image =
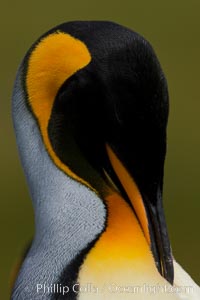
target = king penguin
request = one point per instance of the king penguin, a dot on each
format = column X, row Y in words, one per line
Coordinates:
column 90, row 111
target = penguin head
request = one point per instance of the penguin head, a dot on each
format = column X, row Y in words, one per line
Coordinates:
column 99, row 98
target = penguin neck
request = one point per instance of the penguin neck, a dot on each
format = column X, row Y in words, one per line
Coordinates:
column 123, row 251
column 68, row 216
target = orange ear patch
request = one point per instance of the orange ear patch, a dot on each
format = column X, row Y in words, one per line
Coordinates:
column 57, row 57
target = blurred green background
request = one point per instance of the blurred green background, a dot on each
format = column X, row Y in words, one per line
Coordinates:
column 173, row 28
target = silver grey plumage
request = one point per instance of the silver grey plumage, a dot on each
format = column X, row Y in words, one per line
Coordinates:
column 68, row 215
